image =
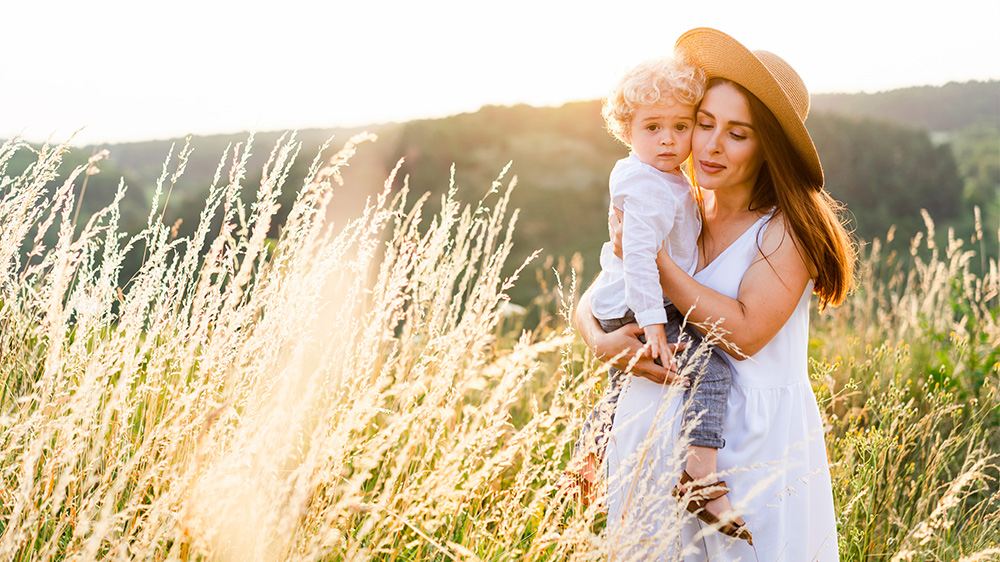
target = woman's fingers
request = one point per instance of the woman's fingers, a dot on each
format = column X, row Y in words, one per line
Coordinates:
column 647, row 369
column 625, row 352
column 617, row 346
column 667, row 371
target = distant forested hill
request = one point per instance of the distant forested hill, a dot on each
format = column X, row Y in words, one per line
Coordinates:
column 945, row 108
column 864, row 131
column 878, row 152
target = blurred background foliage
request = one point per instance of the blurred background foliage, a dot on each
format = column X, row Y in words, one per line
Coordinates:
column 886, row 156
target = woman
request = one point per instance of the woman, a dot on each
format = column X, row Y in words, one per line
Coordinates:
column 770, row 238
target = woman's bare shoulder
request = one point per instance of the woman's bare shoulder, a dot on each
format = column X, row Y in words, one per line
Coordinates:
column 780, row 242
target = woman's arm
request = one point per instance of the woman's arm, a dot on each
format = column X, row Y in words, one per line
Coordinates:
column 622, row 345
column 768, row 293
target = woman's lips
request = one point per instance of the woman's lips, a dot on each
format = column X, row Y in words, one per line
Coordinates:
column 710, row 166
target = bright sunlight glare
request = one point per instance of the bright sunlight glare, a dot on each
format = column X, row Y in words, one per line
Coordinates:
column 120, row 71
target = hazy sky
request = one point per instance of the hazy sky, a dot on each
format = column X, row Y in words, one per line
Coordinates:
column 133, row 69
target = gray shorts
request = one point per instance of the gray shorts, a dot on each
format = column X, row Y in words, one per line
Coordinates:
column 706, row 397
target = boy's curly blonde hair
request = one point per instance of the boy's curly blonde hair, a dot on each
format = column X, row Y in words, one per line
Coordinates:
column 651, row 83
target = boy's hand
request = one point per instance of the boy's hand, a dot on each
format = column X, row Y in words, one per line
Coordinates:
column 656, row 343
column 615, row 216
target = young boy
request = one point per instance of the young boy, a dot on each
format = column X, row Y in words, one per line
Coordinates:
column 652, row 110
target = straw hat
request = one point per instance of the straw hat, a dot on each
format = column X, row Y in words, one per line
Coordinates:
column 765, row 75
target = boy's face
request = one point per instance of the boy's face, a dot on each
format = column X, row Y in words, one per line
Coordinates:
column 660, row 135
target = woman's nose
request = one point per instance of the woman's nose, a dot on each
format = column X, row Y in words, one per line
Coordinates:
column 712, row 144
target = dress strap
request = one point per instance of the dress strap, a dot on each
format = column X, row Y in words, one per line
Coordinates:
column 762, row 222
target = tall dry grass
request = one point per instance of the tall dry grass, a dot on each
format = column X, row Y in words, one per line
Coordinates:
column 360, row 390
column 339, row 393
column 908, row 371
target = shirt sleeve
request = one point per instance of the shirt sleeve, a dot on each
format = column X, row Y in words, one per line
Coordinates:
column 649, row 211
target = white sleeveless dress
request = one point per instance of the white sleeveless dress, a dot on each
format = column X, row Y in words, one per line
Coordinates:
column 774, row 460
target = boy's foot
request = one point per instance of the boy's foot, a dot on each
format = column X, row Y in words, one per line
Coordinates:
column 710, row 503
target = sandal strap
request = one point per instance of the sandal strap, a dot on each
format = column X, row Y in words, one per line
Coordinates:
column 696, row 505
column 718, row 488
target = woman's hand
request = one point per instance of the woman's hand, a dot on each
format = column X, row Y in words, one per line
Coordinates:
column 622, row 348
column 623, row 351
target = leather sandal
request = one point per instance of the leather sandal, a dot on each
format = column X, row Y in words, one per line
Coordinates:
column 694, row 498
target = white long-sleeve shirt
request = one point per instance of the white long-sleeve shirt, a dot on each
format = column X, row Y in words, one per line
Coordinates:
column 659, row 210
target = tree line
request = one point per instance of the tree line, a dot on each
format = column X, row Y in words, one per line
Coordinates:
column 884, row 164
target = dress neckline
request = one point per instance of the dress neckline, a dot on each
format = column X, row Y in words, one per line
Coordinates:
column 739, row 238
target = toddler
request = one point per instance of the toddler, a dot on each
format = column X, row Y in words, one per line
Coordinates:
column 652, row 110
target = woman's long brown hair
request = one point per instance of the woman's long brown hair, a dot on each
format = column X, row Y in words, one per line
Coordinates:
column 814, row 216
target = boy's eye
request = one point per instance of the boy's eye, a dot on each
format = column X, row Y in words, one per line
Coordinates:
column 681, row 126
column 652, row 127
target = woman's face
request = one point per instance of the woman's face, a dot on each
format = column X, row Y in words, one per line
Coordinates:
column 724, row 146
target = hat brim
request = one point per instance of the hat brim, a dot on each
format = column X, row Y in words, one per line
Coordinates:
column 721, row 56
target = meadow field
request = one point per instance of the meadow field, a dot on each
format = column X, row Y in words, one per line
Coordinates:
column 362, row 390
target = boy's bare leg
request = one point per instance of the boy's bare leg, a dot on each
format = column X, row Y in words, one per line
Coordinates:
column 702, row 463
